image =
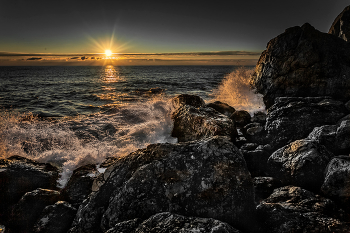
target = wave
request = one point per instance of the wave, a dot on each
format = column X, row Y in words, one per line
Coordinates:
column 72, row 142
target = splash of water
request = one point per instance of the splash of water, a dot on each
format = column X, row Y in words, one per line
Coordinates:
column 71, row 143
column 236, row 91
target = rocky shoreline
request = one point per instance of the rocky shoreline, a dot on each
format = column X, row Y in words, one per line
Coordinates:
column 284, row 171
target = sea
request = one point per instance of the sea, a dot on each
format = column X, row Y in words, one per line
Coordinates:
column 72, row 116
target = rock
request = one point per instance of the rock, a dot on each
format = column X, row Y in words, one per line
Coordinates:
column 303, row 62
column 255, row 132
column 259, row 117
column 241, row 118
column 264, row 187
column 347, row 106
column 336, row 183
column 27, row 211
column 126, row 226
column 173, row 223
column 80, row 184
column 326, row 136
column 293, row 118
column 293, row 209
column 341, row 25
column 301, row 163
column 249, row 146
column 185, row 99
column 19, row 175
column 257, row 160
column 192, row 123
column 343, row 137
column 222, row 108
column 55, row 218
column 207, row 179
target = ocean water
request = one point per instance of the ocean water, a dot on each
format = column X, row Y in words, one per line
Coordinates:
column 72, row 116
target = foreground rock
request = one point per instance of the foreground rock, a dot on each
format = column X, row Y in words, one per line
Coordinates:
column 341, row 25
column 336, row 184
column 79, row 185
column 301, row 163
column 293, row 118
column 26, row 212
column 303, row 61
column 55, row 218
column 173, row 223
column 293, row 209
column 19, row 175
column 207, row 178
column 192, row 124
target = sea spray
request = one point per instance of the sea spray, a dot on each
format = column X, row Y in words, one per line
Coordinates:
column 71, row 143
column 236, row 91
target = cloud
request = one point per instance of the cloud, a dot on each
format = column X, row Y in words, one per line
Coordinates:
column 34, row 59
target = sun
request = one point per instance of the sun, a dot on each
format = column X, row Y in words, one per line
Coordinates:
column 108, row 53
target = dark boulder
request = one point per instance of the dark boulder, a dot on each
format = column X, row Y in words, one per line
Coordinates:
column 222, row 108
column 336, row 183
column 185, row 99
column 55, row 218
column 79, row 185
column 19, row 175
column 174, row 223
column 256, row 159
column 27, row 211
column 255, row 132
column 326, row 136
column 293, row 118
column 301, row 163
column 264, row 187
column 192, row 123
column 303, row 61
column 341, row 25
column 128, row 226
column 343, row 137
column 293, row 209
column 206, row 178
column 241, row 118
column 259, row 117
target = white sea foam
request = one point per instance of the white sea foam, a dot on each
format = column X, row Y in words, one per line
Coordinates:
column 83, row 140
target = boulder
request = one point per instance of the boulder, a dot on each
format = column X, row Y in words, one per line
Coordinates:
column 336, row 183
column 241, row 118
column 55, row 218
column 293, row 209
column 126, row 226
column 79, row 185
column 293, row 118
column 174, row 223
column 301, row 163
column 207, row 179
column 255, row 132
column 341, row 25
column 343, row 137
column 256, row 159
column 192, row 123
column 264, row 187
column 326, row 136
column 27, row 211
column 19, row 175
column 185, row 99
column 259, row 117
column 303, row 62
column 222, row 108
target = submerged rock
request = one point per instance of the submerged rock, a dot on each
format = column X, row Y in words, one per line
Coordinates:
column 19, row 175
column 192, row 123
column 174, row 223
column 301, row 163
column 206, row 178
column 293, row 209
column 55, row 218
column 303, row 61
column 293, row 118
column 341, row 25
column 27, row 211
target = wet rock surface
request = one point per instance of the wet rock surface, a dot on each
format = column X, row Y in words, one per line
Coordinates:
column 241, row 118
column 222, row 108
column 301, row 163
column 206, row 178
column 19, row 175
column 303, row 61
column 185, row 99
column 192, row 123
column 55, row 218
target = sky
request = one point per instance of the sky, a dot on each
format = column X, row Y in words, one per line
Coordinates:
column 179, row 32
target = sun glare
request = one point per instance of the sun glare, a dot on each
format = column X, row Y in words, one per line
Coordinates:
column 108, row 53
